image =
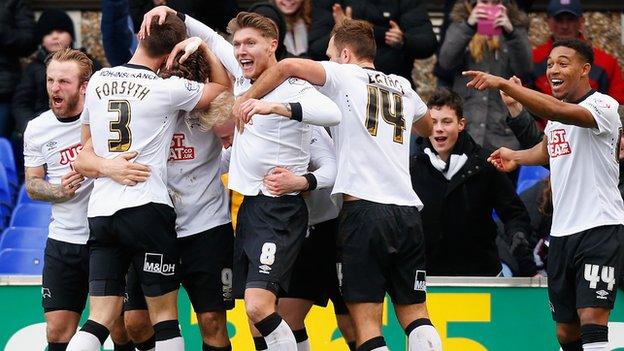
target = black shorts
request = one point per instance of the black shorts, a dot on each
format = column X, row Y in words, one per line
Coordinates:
column 583, row 270
column 314, row 277
column 205, row 271
column 381, row 249
column 144, row 236
column 65, row 276
column 269, row 235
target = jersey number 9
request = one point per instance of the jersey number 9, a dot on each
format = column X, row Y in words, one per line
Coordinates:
column 121, row 126
column 393, row 116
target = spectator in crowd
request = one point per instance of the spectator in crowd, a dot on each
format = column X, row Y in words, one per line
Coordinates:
column 215, row 13
column 118, row 36
column 54, row 31
column 507, row 54
column 459, row 189
column 402, row 28
column 445, row 77
column 270, row 11
column 298, row 16
column 17, row 39
column 565, row 21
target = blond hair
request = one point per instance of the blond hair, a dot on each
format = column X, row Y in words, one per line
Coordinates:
column 85, row 65
column 264, row 25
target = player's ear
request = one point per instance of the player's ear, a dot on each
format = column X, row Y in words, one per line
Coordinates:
column 462, row 123
column 83, row 87
column 273, row 45
column 586, row 69
column 345, row 55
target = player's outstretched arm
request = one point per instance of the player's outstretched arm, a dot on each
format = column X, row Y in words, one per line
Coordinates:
column 39, row 189
column 541, row 105
column 506, row 160
column 309, row 70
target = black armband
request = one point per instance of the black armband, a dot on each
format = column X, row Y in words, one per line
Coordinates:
column 311, row 181
column 296, row 111
column 181, row 15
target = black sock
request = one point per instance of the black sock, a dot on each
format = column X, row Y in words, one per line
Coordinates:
column 166, row 330
column 591, row 333
column 260, row 343
column 351, row 345
column 206, row 347
column 300, row 335
column 268, row 324
column 147, row 344
column 372, row 344
column 573, row 346
column 95, row 328
column 57, row 346
column 125, row 347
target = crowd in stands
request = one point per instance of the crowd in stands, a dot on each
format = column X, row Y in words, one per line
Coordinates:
column 460, row 190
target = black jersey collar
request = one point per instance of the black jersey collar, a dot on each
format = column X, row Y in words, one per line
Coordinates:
column 132, row 65
column 68, row 119
column 582, row 98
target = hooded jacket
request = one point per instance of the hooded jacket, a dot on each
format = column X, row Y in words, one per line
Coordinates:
column 460, row 233
column 485, row 110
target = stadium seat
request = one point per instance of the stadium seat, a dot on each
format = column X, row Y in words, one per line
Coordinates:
column 23, row 198
column 31, row 215
column 6, row 202
column 23, row 238
column 529, row 175
column 8, row 161
column 21, row 262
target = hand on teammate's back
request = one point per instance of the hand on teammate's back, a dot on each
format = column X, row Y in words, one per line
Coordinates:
column 281, row 181
column 71, row 182
column 123, row 171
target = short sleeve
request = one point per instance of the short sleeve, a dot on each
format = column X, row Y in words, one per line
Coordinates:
column 185, row 94
column 84, row 116
column 33, row 157
column 332, row 77
column 604, row 112
column 420, row 108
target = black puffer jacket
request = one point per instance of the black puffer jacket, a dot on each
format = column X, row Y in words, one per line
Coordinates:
column 17, row 39
column 411, row 15
column 31, row 95
column 460, row 234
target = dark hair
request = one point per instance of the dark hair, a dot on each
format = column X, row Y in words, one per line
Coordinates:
column 581, row 47
column 196, row 68
column 165, row 36
column 358, row 36
column 444, row 97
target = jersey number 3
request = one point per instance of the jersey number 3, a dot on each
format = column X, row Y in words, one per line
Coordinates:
column 391, row 114
column 120, row 126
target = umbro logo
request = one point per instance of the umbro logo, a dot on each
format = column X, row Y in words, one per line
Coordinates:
column 51, row 145
column 601, row 294
column 45, row 292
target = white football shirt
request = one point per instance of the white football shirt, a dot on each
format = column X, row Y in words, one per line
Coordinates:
column 372, row 140
column 269, row 141
column 130, row 108
column 194, row 178
column 584, row 169
column 55, row 143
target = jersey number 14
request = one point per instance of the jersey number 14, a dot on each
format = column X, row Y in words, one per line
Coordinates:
column 121, row 126
column 390, row 106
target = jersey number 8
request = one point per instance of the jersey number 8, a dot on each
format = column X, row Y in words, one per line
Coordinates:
column 393, row 116
column 120, row 126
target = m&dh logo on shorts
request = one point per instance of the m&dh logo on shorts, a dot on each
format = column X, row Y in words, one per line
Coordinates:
column 154, row 264
column 420, row 283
